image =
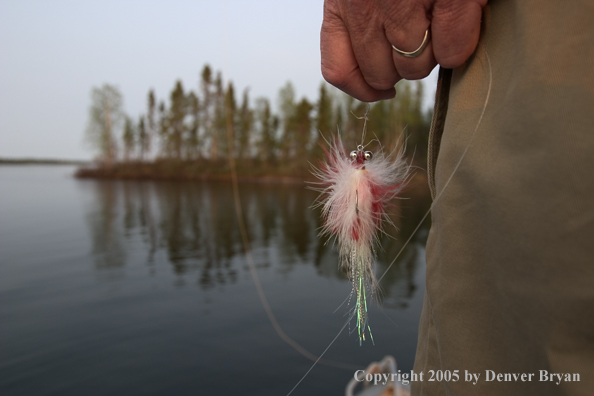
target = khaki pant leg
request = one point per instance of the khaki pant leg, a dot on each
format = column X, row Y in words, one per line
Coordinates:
column 510, row 255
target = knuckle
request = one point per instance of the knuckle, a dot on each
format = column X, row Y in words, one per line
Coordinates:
column 381, row 83
column 367, row 97
column 343, row 81
column 415, row 74
column 337, row 77
column 451, row 61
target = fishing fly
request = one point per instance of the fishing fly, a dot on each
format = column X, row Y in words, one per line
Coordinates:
column 355, row 191
column 331, row 178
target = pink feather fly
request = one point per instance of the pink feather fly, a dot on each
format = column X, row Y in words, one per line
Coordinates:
column 355, row 191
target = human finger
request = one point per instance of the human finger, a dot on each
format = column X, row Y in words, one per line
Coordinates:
column 376, row 26
column 455, row 27
column 415, row 66
column 339, row 64
column 365, row 21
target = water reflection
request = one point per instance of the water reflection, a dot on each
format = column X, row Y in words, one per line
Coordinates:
column 106, row 231
column 193, row 224
column 114, row 279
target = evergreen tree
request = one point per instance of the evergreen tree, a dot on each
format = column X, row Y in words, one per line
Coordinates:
column 302, row 123
column 268, row 125
column 207, row 111
column 323, row 122
column 220, row 120
column 143, row 139
column 129, row 139
column 193, row 143
column 176, row 124
column 287, row 116
column 163, row 129
column 245, row 125
column 151, row 131
column 230, row 120
column 231, row 116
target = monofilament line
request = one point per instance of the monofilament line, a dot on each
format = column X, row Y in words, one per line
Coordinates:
column 430, row 208
column 322, row 354
column 453, row 172
column 252, row 268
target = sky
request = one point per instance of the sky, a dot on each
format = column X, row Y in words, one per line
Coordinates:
column 53, row 52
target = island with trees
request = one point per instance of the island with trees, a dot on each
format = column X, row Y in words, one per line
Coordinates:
column 192, row 134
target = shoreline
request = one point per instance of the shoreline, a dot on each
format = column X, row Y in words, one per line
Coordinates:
column 188, row 172
column 150, row 172
column 41, row 161
column 268, row 179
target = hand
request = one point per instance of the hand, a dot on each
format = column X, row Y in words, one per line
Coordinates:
column 357, row 37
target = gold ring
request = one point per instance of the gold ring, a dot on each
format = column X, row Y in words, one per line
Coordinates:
column 416, row 52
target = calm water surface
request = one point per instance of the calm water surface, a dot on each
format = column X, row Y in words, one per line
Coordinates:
column 140, row 288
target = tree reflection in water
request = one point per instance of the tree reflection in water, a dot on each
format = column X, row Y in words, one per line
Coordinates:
column 194, row 225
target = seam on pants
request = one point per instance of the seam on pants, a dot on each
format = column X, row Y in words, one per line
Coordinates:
column 440, row 109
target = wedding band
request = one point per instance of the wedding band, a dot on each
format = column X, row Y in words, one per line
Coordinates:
column 416, row 52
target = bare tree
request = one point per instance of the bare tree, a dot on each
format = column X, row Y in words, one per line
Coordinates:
column 105, row 120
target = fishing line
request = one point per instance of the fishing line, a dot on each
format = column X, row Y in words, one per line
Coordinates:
column 322, row 354
column 252, row 267
column 432, row 204
column 455, row 168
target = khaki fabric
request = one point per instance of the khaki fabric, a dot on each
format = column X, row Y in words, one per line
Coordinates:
column 510, row 255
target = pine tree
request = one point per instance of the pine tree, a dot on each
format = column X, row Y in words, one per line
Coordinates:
column 219, row 120
column 303, row 133
column 151, row 131
column 230, row 121
column 231, row 115
column 287, row 116
column 177, row 115
column 163, row 129
column 267, row 125
column 143, row 139
column 129, row 139
column 245, row 125
column 208, row 110
column 193, row 142
column 323, row 122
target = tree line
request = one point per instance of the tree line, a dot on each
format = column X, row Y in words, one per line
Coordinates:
column 194, row 125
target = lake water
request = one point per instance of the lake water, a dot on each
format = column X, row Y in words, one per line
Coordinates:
column 141, row 288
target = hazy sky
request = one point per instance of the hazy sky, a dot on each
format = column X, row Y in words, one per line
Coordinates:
column 52, row 52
